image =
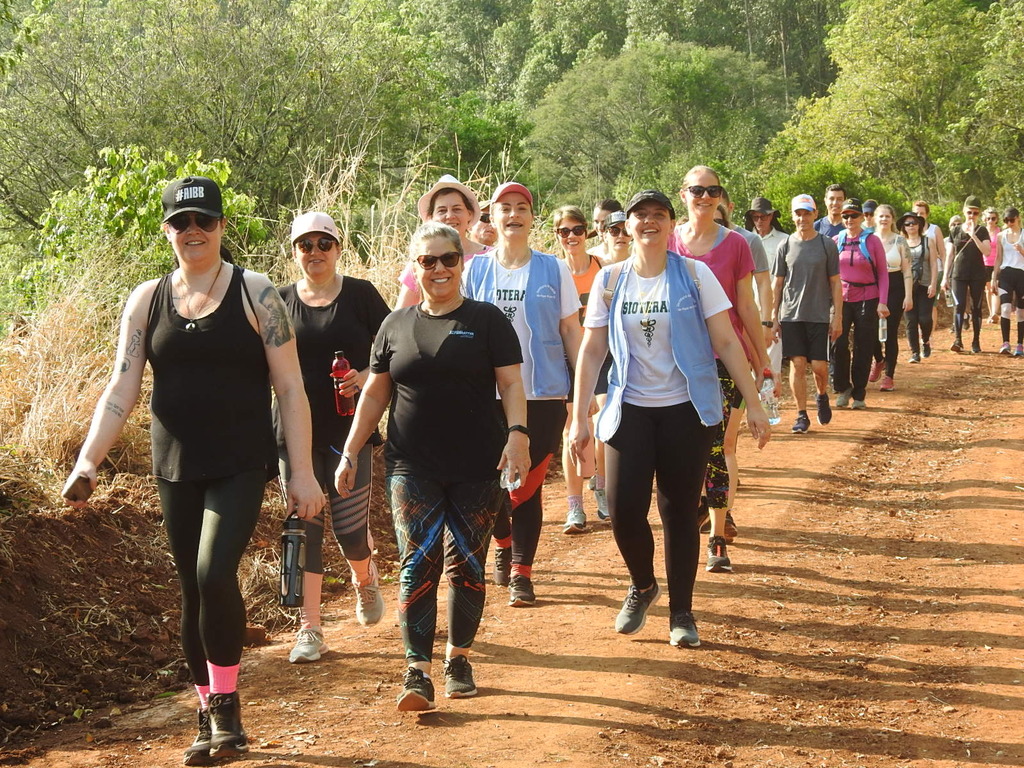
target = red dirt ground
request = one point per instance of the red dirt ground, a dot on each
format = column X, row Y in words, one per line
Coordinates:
column 873, row 619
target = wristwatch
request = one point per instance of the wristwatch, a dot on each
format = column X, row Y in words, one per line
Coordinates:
column 519, row 428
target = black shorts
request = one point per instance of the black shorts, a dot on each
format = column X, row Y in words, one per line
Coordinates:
column 808, row 340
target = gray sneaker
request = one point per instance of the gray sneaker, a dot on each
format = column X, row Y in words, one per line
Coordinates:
column 683, row 630
column 369, row 601
column 309, row 646
column 575, row 521
column 633, row 616
column 843, row 398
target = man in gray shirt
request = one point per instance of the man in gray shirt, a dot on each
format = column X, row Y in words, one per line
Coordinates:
column 808, row 308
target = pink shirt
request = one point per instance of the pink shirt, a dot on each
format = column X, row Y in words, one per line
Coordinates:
column 993, row 243
column 730, row 260
column 872, row 276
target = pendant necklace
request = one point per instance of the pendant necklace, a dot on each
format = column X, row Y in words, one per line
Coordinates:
column 191, row 324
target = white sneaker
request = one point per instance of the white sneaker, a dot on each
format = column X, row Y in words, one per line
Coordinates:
column 309, row 646
column 369, row 601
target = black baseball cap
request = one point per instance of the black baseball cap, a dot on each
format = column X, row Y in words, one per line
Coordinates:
column 192, row 194
column 651, row 195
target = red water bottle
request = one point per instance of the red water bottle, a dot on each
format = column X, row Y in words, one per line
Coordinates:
column 344, row 404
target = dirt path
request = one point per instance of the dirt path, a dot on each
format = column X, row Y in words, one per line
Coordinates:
column 873, row 619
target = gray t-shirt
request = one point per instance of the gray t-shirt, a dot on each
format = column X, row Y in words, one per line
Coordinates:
column 806, row 267
column 756, row 249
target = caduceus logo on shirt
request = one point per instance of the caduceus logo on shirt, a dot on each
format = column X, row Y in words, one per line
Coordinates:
column 648, row 328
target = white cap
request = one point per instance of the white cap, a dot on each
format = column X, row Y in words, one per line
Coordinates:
column 314, row 221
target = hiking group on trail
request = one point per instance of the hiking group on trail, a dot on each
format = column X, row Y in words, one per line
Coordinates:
column 639, row 355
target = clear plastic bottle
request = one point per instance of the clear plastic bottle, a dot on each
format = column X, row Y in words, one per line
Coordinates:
column 883, row 329
column 768, row 399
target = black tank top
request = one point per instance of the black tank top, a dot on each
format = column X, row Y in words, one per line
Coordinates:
column 211, row 390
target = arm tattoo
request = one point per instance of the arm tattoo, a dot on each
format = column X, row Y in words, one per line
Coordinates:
column 115, row 409
column 134, row 343
column 278, row 329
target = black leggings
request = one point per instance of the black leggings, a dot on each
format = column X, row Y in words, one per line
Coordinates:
column 673, row 445
column 920, row 317
column 209, row 523
column 521, row 514
column 349, row 516
column 897, row 293
column 977, row 290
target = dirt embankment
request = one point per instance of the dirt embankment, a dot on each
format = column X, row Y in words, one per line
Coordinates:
column 873, row 619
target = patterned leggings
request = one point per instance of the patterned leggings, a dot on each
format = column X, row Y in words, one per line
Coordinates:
column 441, row 525
column 717, row 479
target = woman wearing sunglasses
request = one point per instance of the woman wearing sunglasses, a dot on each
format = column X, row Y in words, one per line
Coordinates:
column 437, row 364
column 663, row 317
column 864, row 274
column 729, row 256
column 571, row 230
column 216, row 337
column 332, row 312
column 448, row 202
column 1008, row 280
column 536, row 292
column 924, row 260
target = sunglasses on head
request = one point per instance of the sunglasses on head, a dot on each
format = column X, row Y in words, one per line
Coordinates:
column 180, row 222
column 714, row 190
column 485, row 218
column 579, row 230
column 449, row 259
column 848, row 216
column 324, row 244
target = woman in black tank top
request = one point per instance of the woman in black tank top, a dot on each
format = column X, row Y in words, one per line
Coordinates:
column 215, row 336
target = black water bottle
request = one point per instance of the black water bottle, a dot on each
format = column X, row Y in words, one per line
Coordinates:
column 293, row 561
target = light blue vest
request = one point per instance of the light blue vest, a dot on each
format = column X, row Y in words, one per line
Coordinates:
column 543, row 306
column 691, row 349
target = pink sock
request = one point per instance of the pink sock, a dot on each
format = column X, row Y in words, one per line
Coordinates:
column 522, row 570
column 223, row 679
column 504, row 543
column 204, row 696
column 309, row 613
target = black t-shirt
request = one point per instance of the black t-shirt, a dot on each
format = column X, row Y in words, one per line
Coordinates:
column 349, row 324
column 443, row 424
column 968, row 262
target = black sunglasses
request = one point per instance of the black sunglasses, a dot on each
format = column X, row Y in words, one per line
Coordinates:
column 713, row 191
column 180, row 222
column 324, row 244
column 579, row 230
column 616, row 231
column 848, row 216
column 449, row 259
column 485, row 218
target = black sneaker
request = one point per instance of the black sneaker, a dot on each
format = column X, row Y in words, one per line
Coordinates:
column 683, row 630
column 520, row 592
column 718, row 557
column 802, row 423
column 458, row 678
column 633, row 616
column 824, row 409
column 199, row 752
column 502, row 565
column 227, row 739
column 703, row 516
column 417, row 692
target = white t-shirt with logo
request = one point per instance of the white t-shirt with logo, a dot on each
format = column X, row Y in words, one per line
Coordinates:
column 510, row 297
column 653, row 380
